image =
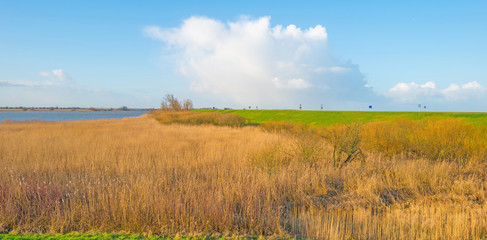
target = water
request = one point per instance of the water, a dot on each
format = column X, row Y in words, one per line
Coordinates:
column 66, row 115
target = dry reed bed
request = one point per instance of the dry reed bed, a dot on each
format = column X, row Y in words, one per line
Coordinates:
column 136, row 175
column 436, row 139
column 198, row 118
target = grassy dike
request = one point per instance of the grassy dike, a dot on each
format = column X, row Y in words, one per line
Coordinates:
column 327, row 118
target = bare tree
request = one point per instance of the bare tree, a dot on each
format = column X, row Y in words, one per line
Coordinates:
column 171, row 103
column 164, row 105
column 188, row 104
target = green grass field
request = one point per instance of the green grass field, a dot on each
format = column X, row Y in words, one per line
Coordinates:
column 326, row 118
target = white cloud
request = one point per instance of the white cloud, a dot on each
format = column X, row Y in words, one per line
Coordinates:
column 314, row 33
column 251, row 62
column 471, row 90
column 413, row 92
column 57, row 74
column 294, row 83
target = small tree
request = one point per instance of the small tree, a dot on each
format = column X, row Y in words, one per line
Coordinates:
column 171, row 103
column 164, row 104
column 188, row 104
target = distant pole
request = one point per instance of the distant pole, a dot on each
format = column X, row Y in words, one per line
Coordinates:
column 322, row 107
column 299, row 106
column 419, row 107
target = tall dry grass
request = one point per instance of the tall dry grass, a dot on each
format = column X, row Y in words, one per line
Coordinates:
column 198, row 118
column 137, row 175
column 433, row 138
column 436, row 139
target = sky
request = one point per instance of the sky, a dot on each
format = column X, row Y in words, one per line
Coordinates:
column 344, row 55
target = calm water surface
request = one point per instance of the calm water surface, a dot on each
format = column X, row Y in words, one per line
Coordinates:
column 65, row 115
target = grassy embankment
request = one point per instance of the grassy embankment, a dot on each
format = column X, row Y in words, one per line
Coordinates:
column 413, row 179
column 327, row 118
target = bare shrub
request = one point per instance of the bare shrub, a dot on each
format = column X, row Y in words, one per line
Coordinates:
column 188, row 105
column 171, row 103
column 346, row 144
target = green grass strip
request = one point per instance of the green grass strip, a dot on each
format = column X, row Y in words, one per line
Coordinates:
column 327, row 118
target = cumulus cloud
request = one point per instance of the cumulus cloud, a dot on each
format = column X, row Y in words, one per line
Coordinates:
column 250, row 61
column 414, row 92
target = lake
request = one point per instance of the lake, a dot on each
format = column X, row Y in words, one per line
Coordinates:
column 66, row 115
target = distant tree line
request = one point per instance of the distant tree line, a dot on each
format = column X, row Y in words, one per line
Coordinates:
column 171, row 103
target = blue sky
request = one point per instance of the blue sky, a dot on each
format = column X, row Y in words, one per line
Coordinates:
column 391, row 55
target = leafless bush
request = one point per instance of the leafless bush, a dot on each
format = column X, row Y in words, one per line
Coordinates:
column 171, row 103
column 346, row 144
column 188, row 104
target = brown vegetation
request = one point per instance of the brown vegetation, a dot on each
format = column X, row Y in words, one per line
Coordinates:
column 197, row 118
column 171, row 103
column 435, row 139
column 137, row 175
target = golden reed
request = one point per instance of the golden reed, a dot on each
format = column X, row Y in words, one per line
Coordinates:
column 137, row 175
